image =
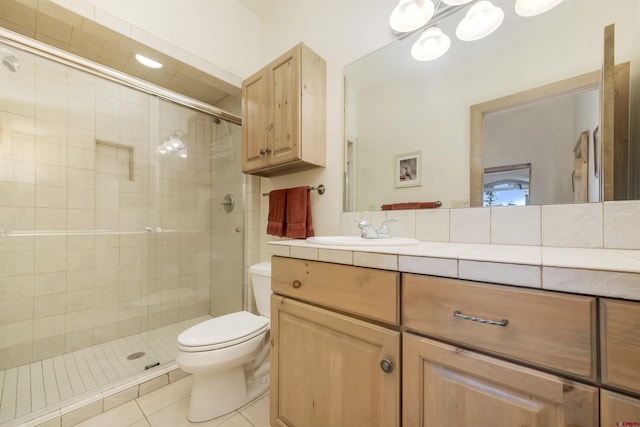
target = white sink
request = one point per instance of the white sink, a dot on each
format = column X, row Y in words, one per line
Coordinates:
column 359, row 241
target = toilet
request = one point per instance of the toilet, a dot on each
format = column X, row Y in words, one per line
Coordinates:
column 229, row 355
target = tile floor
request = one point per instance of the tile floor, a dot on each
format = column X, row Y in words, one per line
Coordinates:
column 59, row 381
column 167, row 407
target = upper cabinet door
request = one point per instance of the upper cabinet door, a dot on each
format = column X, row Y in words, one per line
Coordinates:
column 285, row 108
column 254, row 121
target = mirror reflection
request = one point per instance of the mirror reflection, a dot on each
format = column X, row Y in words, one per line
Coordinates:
column 397, row 105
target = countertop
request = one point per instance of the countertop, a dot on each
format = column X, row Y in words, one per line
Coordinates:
column 601, row 272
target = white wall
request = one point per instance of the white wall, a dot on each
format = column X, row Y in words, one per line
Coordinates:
column 339, row 31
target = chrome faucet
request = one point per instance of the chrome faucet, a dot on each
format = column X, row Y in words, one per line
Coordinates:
column 370, row 232
column 383, row 231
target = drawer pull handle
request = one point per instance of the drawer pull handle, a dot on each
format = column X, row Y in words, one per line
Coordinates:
column 459, row 315
column 296, row 284
column 386, row 365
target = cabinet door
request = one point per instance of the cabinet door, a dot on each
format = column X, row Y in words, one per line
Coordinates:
column 284, row 111
column 326, row 369
column 254, row 121
column 618, row 410
column 620, row 343
column 448, row 386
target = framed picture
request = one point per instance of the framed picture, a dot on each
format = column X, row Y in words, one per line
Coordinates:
column 596, row 152
column 408, row 169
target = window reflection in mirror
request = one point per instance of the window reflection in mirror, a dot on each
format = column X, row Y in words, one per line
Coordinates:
column 507, row 185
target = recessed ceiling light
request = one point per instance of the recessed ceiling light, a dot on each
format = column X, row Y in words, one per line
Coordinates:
column 148, row 62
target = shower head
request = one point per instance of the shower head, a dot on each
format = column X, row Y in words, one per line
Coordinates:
column 10, row 60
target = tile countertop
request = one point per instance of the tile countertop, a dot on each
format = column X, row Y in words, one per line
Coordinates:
column 601, row 272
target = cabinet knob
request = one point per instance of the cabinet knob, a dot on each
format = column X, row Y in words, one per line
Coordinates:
column 268, row 150
column 297, row 284
column 386, row 365
column 262, row 152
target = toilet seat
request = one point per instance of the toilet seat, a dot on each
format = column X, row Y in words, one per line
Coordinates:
column 224, row 331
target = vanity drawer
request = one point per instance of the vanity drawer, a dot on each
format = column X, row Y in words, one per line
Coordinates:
column 547, row 329
column 362, row 291
column 620, row 343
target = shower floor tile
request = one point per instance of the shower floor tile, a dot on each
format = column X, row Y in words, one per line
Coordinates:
column 57, row 381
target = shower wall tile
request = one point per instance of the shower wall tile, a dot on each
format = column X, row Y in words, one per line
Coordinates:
column 51, row 219
column 50, row 197
column 80, row 158
column 50, row 326
column 17, row 194
column 50, row 261
column 16, row 264
column 15, row 310
column 50, row 175
column 16, row 333
column 80, row 279
column 49, row 305
column 80, row 219
column 50, row 243
column 17, row 218
column 50, row 283
column 17, row 287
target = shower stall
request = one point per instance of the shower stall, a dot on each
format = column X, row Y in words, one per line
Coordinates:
column 114, row 231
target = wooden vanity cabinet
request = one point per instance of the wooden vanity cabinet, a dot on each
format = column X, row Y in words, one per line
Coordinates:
column 284, row 114
column 618, row 410
column 445, row 385
column 547, row 329
column 338, row 364
column 620, row 344
column 471, row 366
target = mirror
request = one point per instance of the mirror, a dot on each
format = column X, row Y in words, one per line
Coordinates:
column 396, row 105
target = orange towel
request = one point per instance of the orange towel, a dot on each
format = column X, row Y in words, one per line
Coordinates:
column 299, row 224
column 277, row 206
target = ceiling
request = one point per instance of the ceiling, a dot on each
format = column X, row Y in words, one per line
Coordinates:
column 52, row 24
column 259, row 7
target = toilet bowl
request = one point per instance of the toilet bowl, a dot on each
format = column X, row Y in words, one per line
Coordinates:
column 228, row 355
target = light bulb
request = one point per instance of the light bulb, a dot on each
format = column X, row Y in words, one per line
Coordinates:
column 432, row 44
column 535, row 7
column 482, row 19
column 410, row 15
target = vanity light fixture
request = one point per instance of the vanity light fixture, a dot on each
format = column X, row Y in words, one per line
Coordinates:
column 148, row 62
column 535, row 7
column 482, row 18
column 432, row 44
column 409, row 15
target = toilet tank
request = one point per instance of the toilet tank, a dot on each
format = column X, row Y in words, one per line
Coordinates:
column 260, row 275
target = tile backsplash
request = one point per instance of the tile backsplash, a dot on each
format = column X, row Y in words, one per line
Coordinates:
column 608, row 225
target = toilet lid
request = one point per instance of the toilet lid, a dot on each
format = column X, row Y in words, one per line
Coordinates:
column 224, row 329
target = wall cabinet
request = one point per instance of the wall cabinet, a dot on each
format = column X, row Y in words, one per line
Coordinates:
column 284, row 114
column 472, row 353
